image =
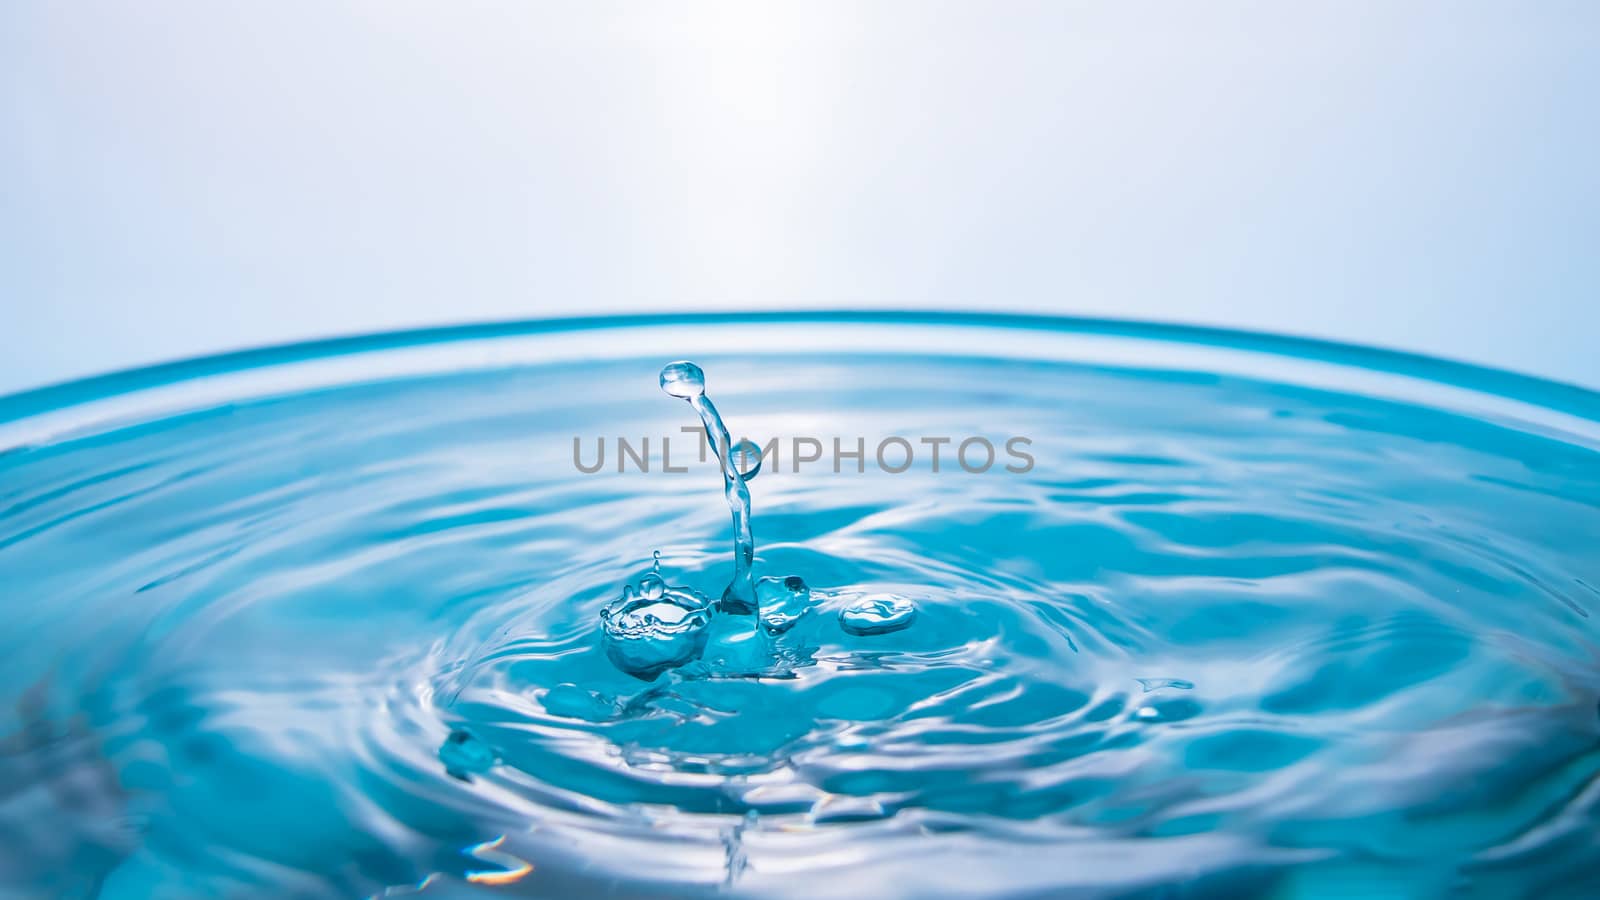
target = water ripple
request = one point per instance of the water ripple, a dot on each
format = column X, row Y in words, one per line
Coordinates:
column 1229, row 634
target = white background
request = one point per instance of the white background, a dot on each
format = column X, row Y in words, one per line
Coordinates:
column 180, row 178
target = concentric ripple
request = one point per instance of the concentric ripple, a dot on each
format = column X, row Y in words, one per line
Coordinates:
column 1251, row 625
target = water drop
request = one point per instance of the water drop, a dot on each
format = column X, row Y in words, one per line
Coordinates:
column 651, row 587
column 747, row 458
column 783, row 602
column 656, row 628
column 683, row 379
column 877, row 614
column 464, row 754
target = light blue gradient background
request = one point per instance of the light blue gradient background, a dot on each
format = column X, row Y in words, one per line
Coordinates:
column 188, row 177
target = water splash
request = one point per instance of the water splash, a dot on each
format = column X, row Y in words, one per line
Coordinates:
column 656, row 626
column 686, row 381
column 779, row 603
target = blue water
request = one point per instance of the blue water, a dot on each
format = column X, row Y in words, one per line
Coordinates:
column 1263, row 618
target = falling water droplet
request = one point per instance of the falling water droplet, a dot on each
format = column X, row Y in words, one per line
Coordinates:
column 877, row 614
column 783, row 602
column 464, row 754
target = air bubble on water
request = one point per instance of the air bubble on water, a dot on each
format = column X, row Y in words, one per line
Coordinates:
column 464, row 754
column 877, row 614
column 683, row 379
column 1156, row 684
column 655, row 628
column 783, row 601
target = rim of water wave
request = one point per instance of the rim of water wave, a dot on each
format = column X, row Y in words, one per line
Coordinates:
column 61, row 411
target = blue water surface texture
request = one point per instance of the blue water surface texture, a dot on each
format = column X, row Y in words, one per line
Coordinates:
column 1226, row 616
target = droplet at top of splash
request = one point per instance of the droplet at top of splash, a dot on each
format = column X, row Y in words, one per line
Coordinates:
column 683, row 379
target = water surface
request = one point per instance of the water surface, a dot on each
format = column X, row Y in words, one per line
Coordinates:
column 1263, row 619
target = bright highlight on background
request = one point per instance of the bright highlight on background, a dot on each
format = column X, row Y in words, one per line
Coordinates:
column 186, row 177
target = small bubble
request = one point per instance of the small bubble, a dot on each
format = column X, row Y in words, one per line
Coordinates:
column 877, row 614
column 683, row 379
